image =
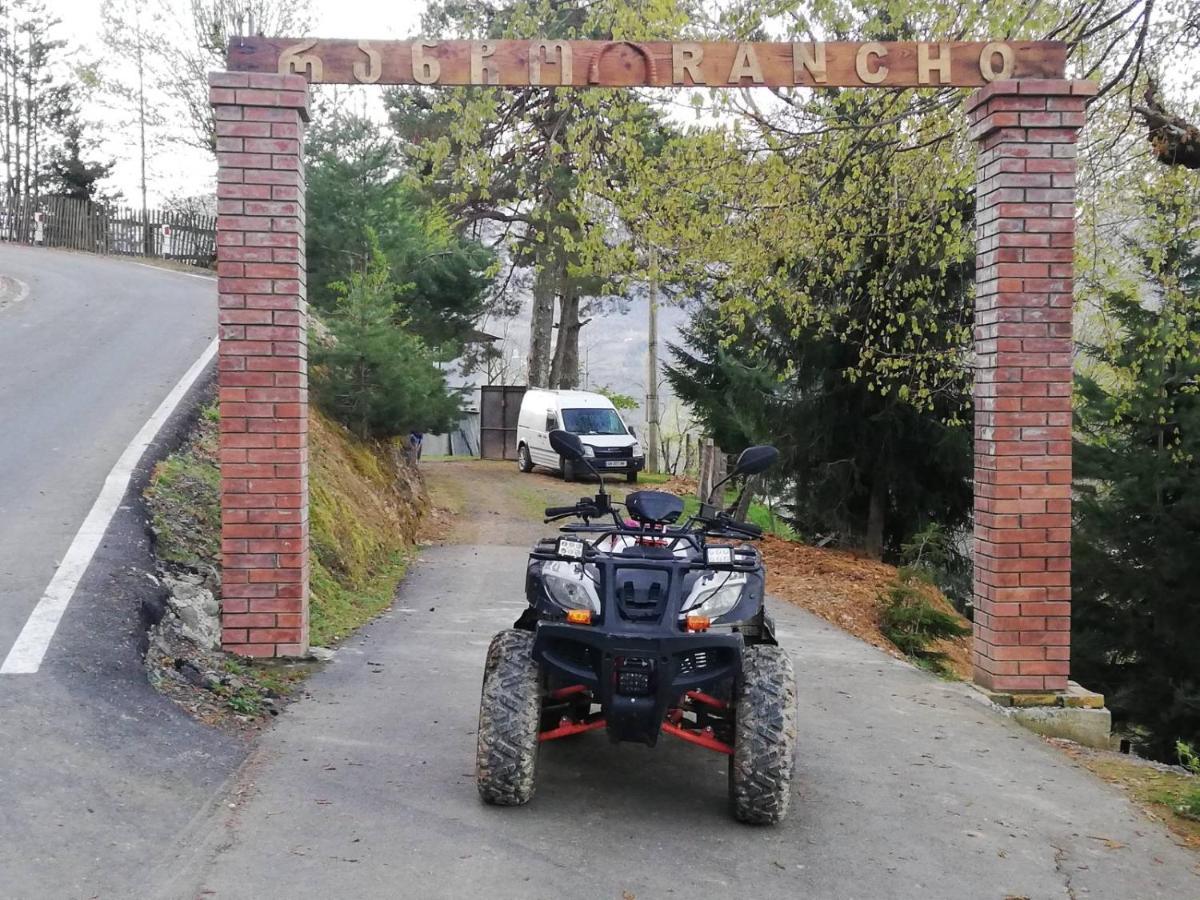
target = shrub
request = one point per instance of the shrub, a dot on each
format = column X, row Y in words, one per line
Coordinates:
column 912, row 621
column 938, row 550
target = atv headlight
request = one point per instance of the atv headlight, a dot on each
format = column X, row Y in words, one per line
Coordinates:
column 568, row 586
column 715, row 594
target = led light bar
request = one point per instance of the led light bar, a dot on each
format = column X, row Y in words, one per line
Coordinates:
column 718, row 556
column 570, row 548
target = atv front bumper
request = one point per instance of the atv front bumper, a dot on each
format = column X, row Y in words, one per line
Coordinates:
column 636, row 678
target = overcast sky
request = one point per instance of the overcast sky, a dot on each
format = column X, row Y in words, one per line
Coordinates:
column 190, row 172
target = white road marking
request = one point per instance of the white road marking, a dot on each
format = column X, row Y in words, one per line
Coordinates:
column 27, row 653
column 208, row 278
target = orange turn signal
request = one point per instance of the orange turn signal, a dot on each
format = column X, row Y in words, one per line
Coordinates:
column 698, row 623
column 579, row 616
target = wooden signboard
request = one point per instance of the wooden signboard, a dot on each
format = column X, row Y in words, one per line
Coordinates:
column 510, row 63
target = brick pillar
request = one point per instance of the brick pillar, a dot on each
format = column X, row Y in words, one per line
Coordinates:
column 1025, row 208
column 263, row 362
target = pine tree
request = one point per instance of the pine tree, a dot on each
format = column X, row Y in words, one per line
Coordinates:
column 376, row 377
column 69, row 173
column 1136, row 613
column 859, row 374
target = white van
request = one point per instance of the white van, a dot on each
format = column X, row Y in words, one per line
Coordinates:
column 609, row 443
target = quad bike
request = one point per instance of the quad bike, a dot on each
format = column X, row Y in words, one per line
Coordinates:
column 640, row 626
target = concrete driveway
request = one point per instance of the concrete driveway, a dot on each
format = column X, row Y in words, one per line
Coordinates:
column 908, row 787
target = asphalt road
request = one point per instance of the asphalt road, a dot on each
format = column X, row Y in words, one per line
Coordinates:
column 98, row 772
column 84, row 360
column 908, row 786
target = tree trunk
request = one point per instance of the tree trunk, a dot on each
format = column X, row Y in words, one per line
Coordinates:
column 741, row 507
column 876, row 512
column 564, row 371
column 541, row 323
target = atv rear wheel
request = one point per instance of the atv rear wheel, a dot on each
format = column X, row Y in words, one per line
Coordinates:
column 509, row 716
column 760, row 770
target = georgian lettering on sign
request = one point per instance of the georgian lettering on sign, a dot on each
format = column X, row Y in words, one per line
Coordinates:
column 550, row 63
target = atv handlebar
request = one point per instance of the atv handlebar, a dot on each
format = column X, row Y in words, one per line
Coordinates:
column 555, row 511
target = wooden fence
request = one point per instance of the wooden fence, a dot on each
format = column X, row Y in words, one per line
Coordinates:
column 112, row 230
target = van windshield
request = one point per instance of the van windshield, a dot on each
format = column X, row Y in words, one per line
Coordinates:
column 592, row 421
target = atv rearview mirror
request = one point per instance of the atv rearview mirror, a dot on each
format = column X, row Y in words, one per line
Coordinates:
column 566, row 445
column 755, row 460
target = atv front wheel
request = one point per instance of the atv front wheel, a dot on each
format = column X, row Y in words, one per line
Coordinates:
column 764, row 748
column 509, row 716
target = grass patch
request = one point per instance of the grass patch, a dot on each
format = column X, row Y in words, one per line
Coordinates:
column 184, row 496
column 1167, row 794
column 253, row 684
column 364, row 507
column 344, row 605
column 758, row 514
column 653, row 478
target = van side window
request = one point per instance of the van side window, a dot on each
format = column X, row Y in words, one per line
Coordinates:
column 551, row 421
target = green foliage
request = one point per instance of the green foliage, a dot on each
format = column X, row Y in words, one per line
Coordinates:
column 185, row 502
column 620, row 401
column 69, row 173
column 912, row 621
column 1186, row 801
column 839, row 325
column 360, row 198
column 1135, row 622
column 376, row 377
column 542, row 166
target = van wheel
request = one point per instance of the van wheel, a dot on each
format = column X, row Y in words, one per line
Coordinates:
column 524, row 460
column 568, row 468
column 631, row 476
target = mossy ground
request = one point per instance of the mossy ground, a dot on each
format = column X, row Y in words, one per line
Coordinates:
column 184, row 499
column 365, row 507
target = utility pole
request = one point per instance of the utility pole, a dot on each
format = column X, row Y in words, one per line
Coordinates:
column 652, row 366
column 147, row 245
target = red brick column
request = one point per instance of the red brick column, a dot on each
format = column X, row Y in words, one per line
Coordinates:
column 1025, row 208
column 263, row 362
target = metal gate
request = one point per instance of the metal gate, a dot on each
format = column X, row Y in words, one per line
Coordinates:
column 499, row 407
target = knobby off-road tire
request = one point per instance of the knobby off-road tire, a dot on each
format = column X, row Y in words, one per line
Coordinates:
column 493, row 654
column 764, row 749
column 509, row 715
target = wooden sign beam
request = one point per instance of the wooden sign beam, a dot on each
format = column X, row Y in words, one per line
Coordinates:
column 543, row 63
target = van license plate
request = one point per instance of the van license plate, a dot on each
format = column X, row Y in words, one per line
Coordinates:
column 615, row 464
